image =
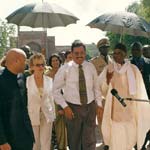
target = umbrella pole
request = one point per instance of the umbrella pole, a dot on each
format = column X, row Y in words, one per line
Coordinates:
column 45, row 53
column 121, row 36
column 46, row 48
column 18, row 30
column 44, row 42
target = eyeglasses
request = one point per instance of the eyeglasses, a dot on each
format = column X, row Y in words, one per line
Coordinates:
column 39, row 65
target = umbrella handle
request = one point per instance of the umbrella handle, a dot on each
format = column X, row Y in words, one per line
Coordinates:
column 121, row 38
column 18, row 30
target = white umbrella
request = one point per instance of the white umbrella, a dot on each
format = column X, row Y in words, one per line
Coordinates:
column 46, row 15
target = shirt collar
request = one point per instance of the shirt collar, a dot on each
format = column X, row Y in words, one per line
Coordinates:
column 77, row 65
column 9, row 74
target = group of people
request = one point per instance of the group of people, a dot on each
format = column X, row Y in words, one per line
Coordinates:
column 114, row 74
column 65, row 99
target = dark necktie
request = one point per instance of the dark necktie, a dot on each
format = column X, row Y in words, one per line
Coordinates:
column 82, row 86
column 106, row 59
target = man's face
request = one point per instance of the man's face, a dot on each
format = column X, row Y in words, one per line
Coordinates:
column 21, row 61
column 104, row 50
column 119, row 56
column 136, row 53
column 146, row 53
column 78, row 54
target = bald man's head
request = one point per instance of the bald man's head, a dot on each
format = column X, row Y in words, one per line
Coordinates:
column 15, row 60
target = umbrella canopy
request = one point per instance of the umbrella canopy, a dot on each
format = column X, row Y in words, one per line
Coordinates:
column 122, row 23
column 43, row 14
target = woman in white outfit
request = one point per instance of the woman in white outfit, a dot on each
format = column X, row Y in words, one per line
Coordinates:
column 40, row 102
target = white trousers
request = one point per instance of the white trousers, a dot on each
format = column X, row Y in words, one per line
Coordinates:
column 42, row 134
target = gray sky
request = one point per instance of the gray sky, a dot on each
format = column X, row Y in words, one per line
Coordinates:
column 85, row 10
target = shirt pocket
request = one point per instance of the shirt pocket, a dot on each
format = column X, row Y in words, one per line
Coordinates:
column 72, row 77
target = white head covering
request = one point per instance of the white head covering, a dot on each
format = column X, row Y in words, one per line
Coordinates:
column 130, row 74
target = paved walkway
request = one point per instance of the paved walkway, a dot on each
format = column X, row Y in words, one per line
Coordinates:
column 99, row 145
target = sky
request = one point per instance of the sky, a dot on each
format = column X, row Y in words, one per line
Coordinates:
column 85, row 10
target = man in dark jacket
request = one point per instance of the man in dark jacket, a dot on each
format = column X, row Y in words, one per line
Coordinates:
column 15, row 126
column 142, row 63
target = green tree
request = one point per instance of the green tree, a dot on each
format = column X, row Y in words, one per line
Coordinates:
column 145, row 4
column 6, row 31
column 126, row 39
column 142, row 9
column 135, row 8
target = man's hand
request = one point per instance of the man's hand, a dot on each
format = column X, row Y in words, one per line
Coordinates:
column 68, row 113
column 61, row 112
column 109, row 76
column 5, row 146
column 99, row 113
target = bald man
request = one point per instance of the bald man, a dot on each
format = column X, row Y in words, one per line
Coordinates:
column 15, row 126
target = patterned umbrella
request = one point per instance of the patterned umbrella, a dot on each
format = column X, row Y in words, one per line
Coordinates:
column 122, row 23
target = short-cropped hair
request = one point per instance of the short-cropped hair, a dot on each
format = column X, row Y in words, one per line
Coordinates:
column 121, row 47
column 77, row 43
column 136, row 46
column 67, row 53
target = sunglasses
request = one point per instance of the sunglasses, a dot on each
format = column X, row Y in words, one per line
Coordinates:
column 39, row 65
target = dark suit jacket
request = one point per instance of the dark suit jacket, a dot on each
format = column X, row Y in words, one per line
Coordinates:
column 144, row 66
column 15, row 125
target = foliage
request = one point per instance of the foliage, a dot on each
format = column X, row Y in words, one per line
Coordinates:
column 141, row 9
column 145, row 4
column 126, row 39
column 5, row 32
column 91, row 51
column 135, row 8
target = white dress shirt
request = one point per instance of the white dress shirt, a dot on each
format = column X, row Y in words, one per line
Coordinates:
column 67, row 78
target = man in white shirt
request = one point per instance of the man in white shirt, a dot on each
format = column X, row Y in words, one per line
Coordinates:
column 80, row 118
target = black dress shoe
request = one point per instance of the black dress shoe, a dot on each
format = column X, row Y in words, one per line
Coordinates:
column 106, row 147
